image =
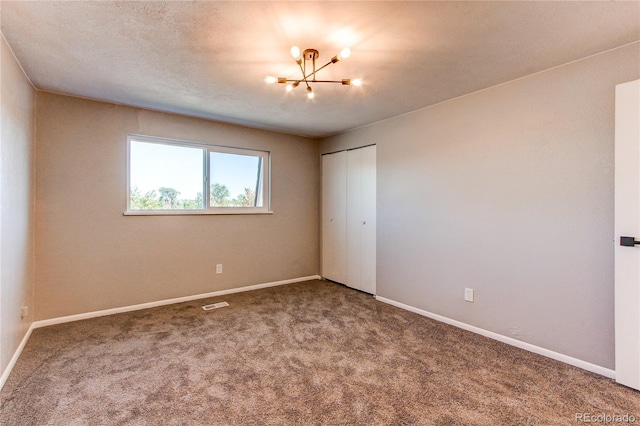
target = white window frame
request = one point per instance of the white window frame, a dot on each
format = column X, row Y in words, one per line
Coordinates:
column 264, row 179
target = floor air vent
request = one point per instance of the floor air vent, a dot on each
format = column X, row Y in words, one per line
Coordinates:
column 215, row 306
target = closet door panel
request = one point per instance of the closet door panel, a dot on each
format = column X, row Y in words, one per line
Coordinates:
column 354, row 217
column 368, row 227
column 334, row 217
column 328, row 261
column 340, row 216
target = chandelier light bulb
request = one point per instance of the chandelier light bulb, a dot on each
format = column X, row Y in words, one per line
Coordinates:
column 356, row 82
column 345, row 53
column 288, row 87
column 310, row 93
column 295, row 52
column 270, row 79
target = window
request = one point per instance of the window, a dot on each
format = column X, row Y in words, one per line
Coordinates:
column 178, row 177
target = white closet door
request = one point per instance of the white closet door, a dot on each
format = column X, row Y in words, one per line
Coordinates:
column 354, row 218
column 361, row 219
column 334, row 217
column 368, row 235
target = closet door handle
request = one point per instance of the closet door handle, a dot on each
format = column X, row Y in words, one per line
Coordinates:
column 628, row 241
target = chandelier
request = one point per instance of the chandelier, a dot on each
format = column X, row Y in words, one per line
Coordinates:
column 309, row 72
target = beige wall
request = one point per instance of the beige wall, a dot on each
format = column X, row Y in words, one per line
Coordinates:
column 17, row 195
column 90, row 257
column 508, row 191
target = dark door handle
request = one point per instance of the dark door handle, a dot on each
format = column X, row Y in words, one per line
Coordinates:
column 628, row 241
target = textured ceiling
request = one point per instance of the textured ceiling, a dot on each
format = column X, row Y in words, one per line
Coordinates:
column 208, row 58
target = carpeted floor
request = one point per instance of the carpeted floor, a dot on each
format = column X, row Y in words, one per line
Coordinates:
column 307, row 353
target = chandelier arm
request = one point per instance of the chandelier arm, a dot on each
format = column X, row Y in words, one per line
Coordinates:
column 304, row 78
column 314, row 66
column 315, row 71
column 313, row 81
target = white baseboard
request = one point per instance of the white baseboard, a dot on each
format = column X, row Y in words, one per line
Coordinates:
column 87, row 315
column 14, row 358
column 508, row 340
column 94, row 314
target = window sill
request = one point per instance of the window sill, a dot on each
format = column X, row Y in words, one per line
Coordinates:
column 188, row 213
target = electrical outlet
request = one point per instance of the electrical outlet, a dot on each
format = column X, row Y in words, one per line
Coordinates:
column 219, row 268
column 468, row 294
column 24, row 312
